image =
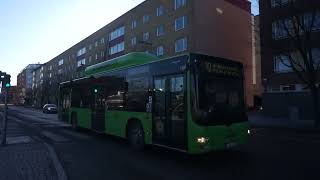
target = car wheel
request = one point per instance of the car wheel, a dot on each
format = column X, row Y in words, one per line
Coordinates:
column 136, row 136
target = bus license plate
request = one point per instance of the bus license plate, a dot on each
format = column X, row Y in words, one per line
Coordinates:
column 231, row 145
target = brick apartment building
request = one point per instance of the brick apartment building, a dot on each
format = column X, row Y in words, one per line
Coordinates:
column 24, row 84
column 165, row 28
column 284, row 92
column 38, row 91
column 12, row 96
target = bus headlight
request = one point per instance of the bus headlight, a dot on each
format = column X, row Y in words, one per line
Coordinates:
column 202, row 140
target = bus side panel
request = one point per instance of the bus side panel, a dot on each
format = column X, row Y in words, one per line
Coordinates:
column 116, row 122
column 83, row 117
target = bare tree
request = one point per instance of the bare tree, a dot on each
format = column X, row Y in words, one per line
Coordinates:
column 302, row 55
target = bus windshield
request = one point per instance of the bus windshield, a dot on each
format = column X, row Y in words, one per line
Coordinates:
column 220, row 94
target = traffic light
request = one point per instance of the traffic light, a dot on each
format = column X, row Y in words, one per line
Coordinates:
column 7, row 81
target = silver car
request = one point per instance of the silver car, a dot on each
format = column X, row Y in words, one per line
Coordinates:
column 49, row 108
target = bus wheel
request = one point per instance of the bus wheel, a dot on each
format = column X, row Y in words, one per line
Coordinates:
column 74, row 122
column 136, row 136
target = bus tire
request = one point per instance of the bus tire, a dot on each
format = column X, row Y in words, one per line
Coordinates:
column 74, row 121
column 135, row 135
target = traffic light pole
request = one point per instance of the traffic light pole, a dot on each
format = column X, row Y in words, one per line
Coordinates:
column 5, row 81
column 5, row 119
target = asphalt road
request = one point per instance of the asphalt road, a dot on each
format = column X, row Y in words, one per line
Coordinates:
column 269, row 154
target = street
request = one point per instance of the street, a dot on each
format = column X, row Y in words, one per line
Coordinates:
column 269, row 154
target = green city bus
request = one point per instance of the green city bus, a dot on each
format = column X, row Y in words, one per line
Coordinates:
column 192, row 103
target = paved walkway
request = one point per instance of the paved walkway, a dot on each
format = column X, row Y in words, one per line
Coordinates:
column 26, row 161
column 257, row 119
column 25, row 158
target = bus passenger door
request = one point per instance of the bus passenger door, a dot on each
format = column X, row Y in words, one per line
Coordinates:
column 169, row 119
column 98, row 110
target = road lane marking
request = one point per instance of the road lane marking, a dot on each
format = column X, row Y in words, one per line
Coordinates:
column 57, row 164
column 18, row 140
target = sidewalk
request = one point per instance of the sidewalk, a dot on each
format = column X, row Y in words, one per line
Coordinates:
column 25, row 157
column 258, row 120
column 26, row 161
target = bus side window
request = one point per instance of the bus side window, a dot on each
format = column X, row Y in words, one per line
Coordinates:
column 137, row 93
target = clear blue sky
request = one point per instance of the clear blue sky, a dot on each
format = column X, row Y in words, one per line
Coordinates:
column 33, row 31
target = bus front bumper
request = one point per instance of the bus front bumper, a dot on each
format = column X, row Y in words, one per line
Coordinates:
column 214, row 138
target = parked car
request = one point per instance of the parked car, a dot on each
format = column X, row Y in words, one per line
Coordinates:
column 49, row 108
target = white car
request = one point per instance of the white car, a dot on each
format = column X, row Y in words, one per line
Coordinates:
column 49, row 108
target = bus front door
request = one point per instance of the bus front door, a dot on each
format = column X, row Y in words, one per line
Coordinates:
column 169, row 119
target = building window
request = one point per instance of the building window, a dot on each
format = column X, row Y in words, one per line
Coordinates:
column 179, row 3
column 281, row 28
column 117, row 48
column 96, row 44
column 160, row 11
column 160, row 30
column 160, row 51
column 102, row 40
column 133, row 24
column 146, row 19
column 50, row 68
column 81, row 51
column 180, row 23
column 116, row 33
column 181, row 45
column 60, row 71
column 81, row 62
column 102, row 53
column 50, row 75
column 290, row 87
column 285, row 27
column 282, row 64
column 316, row 57
column 90, row 47
column 146, row 36
column 307, row 21
column 60, row 62
column 134, row 41
column 279, row 3
column 97, row 56
column 90, row 59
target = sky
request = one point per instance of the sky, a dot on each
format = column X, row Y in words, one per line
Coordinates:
column 36, row 31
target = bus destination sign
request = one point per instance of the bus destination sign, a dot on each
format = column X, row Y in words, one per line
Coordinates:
column 222, row 69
